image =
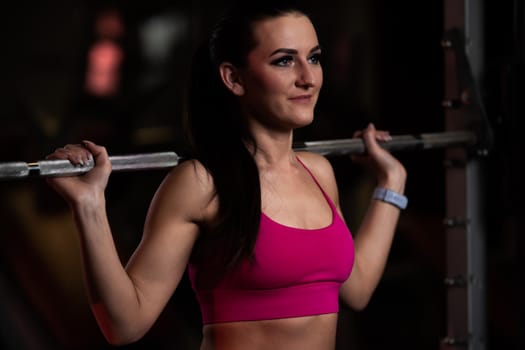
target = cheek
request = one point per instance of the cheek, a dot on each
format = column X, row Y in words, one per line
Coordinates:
column 266, row 82
column 318, row 77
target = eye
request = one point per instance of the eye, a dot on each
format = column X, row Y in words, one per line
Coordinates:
column 283, row 61
column 315, row 58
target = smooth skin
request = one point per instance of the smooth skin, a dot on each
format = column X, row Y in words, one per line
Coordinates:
column 277, row 90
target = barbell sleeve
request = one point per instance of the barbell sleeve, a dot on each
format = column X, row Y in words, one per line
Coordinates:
column 60, row 167
column 162, row 160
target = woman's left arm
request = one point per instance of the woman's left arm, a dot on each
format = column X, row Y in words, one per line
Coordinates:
column 374, row 238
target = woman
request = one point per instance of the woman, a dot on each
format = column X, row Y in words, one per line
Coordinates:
column 258, row 224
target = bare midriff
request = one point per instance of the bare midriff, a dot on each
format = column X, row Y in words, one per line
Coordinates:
column 305, row 333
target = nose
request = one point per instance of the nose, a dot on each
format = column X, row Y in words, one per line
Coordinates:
column 305, row 76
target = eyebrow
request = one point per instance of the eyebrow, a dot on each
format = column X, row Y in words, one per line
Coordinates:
column 293, row 51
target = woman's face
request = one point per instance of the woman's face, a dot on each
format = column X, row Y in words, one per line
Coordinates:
column 283, row 74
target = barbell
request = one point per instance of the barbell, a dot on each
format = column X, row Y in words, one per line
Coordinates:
column 162, row 160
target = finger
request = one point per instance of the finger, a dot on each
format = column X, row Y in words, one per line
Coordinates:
column 99, row 153
column 370, row 139
column 84, row 153
column 76, row 154
column 383, row 136
column 59, row 153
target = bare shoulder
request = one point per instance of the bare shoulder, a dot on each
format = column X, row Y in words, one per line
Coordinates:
column 323, row 171
column 192, row 173
column 315, row 161
column 187, row 189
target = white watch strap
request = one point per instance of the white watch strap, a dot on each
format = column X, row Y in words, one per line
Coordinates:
column 390, row 197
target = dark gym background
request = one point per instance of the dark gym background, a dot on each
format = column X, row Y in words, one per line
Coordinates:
column 383, row 63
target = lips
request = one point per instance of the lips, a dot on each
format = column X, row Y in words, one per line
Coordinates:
column 301, row 98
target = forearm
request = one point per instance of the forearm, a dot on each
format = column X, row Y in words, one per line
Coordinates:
column 111, row 292
column 372, row 242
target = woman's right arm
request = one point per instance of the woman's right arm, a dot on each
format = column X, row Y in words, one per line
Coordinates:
column 126, row 301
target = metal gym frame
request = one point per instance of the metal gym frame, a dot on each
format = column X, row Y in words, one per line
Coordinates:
column 464, row 227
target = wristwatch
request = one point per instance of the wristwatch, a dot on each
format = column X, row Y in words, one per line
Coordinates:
column 390, row 197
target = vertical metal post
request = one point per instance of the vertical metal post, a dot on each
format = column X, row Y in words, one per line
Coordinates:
column 465, row 230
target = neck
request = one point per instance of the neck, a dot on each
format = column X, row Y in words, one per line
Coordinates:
column 274, row 149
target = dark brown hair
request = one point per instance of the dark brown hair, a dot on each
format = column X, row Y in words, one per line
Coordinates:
column 218, row 134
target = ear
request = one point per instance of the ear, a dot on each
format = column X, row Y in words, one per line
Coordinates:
column 231, row 78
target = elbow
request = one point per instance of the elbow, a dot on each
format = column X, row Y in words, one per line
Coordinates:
column 120, row 341
column 120, row 332
column 357, row 300
column 360, row 304
column 116, row 340
column 117, row 337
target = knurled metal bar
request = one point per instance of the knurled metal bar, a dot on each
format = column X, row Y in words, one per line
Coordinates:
column 160, row 160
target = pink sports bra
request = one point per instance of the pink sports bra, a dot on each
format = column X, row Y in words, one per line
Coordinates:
column 295, row 272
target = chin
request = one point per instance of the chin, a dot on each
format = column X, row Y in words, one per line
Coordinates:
column 303, row 121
